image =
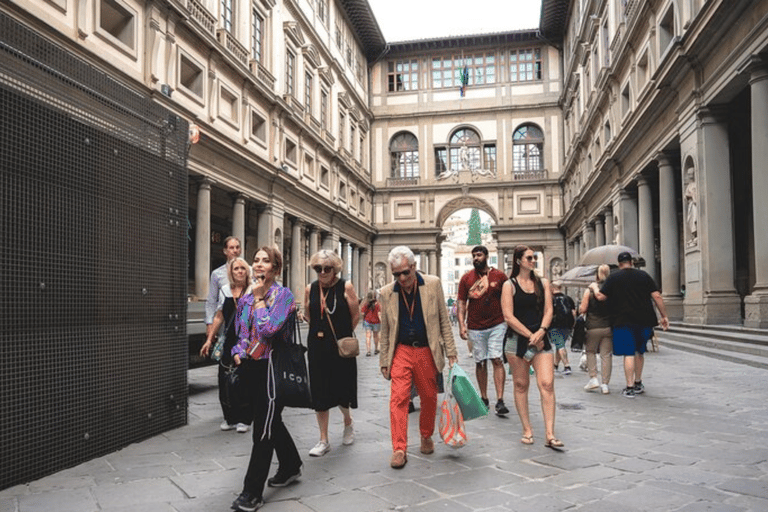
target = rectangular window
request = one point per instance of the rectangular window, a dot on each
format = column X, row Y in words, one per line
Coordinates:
column 308, row 92
column 342, row 122
column 403, row 76
column 226, row 14
column 191, row 76
column 324, row 109
column 441, row 162
column 447, row 71
column 489, row 158
column 322, row 10
column 525, row 65
column 257, row 36
column 339, row 39
column 352, row 137
column 290, row 61
column 118, row 22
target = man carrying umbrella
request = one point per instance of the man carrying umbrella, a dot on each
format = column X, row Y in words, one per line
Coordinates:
column 632, row 293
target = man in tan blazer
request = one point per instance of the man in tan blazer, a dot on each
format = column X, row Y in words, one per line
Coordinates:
column 416, row 337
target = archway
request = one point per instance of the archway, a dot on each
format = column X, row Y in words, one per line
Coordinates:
column 465, row 222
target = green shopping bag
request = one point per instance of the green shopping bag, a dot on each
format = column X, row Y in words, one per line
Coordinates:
column 466, row 395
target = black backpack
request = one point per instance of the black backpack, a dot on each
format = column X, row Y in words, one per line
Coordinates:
column 563, row 314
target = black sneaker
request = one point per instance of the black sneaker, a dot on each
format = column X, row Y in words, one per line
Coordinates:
column 639, row 388
column 486, row 401
column 247, row 502
column 282, row 479
column 628, row 393
column 501, row 409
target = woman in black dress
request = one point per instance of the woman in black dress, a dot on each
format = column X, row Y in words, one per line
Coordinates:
column 333, row 379
column 238, row 412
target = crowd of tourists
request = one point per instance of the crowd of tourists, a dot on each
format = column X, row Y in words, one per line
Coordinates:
column 520, row 319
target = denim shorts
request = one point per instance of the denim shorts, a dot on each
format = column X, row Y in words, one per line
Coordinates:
column 487, row 343
column 628, row 339
column 368, row 326
column 511, row 347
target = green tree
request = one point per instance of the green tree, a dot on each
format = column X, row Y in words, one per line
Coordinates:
column 473, row 237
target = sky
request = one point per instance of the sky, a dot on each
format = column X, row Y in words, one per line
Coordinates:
column 408, row 20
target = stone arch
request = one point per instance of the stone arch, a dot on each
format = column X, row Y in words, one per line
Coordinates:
column 460, row 203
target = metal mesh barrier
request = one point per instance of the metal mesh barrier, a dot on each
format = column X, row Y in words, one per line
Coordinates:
column 93, row 261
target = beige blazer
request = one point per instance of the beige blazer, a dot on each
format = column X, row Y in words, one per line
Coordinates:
column 439, row 332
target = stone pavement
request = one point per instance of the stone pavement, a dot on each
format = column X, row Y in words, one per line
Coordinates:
column 695, row 441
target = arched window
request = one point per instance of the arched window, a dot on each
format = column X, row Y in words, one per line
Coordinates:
column 465, row 152
column 528, row 142
column 404, row 155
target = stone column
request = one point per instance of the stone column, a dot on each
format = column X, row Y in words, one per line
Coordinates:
column 432, row 257
column 345, row 258
column 238, row 220
column 203, row 239
column 645, row 226
column 669, row 239
column 627, row 209
column 599, row 232
column 501, row 257
column 356, row 268
column 609, row 236
column 589, row 236
column 264, row 235
column 314, row 246
column 365, row 271
column 297, row 267
column 756, row 304
column 577, row 250
column 721, row 304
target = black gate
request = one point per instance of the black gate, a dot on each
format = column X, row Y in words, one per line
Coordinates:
column 93, row 261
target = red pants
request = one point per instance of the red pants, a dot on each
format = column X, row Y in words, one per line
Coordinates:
column 412, row 365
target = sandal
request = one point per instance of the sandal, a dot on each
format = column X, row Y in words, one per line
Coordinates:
column 554, row 443
column 527, row 439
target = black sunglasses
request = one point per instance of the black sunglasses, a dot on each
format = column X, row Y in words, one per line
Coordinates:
column 322, row 270
column 405, row 273
column 531, row 258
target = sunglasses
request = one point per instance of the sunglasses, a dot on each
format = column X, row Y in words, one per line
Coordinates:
column 531, row 258
column 405, row 273
column 322, row 270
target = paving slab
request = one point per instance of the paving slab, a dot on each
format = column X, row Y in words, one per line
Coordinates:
column 691, row 443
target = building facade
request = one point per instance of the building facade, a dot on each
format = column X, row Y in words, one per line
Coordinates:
column 664, row 110
column 467, row 122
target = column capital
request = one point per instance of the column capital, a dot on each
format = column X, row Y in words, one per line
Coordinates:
column 642, row 181
column 757, row 67
column 662, row 160
column 713, row 114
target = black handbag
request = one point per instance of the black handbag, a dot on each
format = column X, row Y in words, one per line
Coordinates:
column 288, row 368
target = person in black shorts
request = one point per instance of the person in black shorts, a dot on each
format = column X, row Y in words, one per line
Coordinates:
column 631, row 294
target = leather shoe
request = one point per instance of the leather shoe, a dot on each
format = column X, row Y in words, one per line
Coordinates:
column 427, row 445
column 399, row 458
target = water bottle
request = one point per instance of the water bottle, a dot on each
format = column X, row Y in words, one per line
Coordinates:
column 530, row 353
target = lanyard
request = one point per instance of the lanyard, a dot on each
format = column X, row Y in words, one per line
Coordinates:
column 412, row 306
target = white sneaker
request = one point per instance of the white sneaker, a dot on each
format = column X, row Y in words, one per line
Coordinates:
column 226, row 426
column 592, row 384
column 604, row 389
column 242, row 428
column 320, row 449
column 349, row 434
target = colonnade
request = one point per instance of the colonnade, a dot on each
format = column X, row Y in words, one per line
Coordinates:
column 304, row 239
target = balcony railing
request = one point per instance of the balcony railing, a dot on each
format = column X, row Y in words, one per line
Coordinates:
column 201, row 15
column 227, row 40
column 540, row 174
column 402, row 182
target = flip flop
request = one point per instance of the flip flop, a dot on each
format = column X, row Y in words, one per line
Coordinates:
column 555, row 444
column 527, row 439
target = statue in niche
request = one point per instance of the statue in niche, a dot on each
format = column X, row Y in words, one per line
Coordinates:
column 379, row 280
column 692, row 207
column 616, row 228
column 556, row 269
